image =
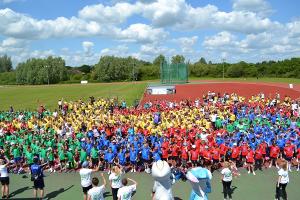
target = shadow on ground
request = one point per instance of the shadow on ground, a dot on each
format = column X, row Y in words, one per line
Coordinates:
column 54, row 194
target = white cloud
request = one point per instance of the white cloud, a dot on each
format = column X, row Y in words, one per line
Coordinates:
column 142, row 33
column 262, row 7
column 13, row 42
column 108, row 14
column 258, row 41
column 164, row 12
column 243, row 22
column 187, row 44
column 24, row 27
column 182, row 16
column 100, row 20
column 244, row 32
column 14, row 48
column 87, row 47
column 19, row 25
column 219, row 40
column 120, row 50
column 154, row 50
column 255, row 47
column 78, row 58
column 294, row 28
column 149, row 51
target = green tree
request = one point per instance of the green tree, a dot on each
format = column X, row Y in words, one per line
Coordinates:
column 85, row 68
column 111, row 68
column 178, row 59
column 202, row 61
column 41, row 71
column 159, row 59
column 5, row 64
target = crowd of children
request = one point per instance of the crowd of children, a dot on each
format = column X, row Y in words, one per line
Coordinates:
column 254, row 133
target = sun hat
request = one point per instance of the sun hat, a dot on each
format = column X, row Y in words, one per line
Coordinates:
column 85, row 164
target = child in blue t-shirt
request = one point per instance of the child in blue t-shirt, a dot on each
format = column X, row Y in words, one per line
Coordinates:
column 156, row 154
column 133, row 153
column 146, row 157
column 109, row 158
column 122, row 157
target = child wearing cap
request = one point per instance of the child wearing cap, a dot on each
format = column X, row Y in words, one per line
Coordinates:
column 194, row 156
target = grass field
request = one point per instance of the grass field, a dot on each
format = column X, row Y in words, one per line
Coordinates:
column 30, row 97
column 247, row 187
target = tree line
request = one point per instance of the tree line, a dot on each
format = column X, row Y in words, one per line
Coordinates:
column 53, row 70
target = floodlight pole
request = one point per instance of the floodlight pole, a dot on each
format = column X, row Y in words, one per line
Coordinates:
column 223, row 60
column 47, row 67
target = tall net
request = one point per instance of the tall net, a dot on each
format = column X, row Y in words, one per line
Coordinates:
column 173, row 73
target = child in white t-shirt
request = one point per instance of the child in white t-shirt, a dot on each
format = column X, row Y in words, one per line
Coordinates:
column 226, row 180
column 96, row 193
column 125, row 192
column 283, row 180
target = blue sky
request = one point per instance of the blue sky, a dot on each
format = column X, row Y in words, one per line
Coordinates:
column 82, row 31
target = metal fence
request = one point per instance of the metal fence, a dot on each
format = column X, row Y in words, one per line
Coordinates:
column 173, row 73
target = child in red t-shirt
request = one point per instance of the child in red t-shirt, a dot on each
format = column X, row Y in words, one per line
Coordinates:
column 184, row 157
column 250, row 161
column 194, row 156
column 289, row 153
column 258, row 158
column 274, row 154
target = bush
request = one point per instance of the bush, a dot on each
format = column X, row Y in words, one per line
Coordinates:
column 76, row 77
column 8, row 78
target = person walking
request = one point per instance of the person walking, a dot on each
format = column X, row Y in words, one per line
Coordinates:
column 4, row 178
column 125, row 192
column 226, row 180
column 115, row 179
column 283, row 180
column 96, row 193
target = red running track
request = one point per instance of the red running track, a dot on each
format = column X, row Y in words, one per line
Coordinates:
column 194, row 91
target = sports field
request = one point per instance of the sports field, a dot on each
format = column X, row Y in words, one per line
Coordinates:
column 247, row 187
column 67, row 186
column 30, row 97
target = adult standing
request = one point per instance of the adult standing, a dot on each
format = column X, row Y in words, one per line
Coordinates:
column 37, row 176
column 125, row 192
column 115, row 179
column 86, row 178
column 226, row 180
column 4, row 178
column 283, row 180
